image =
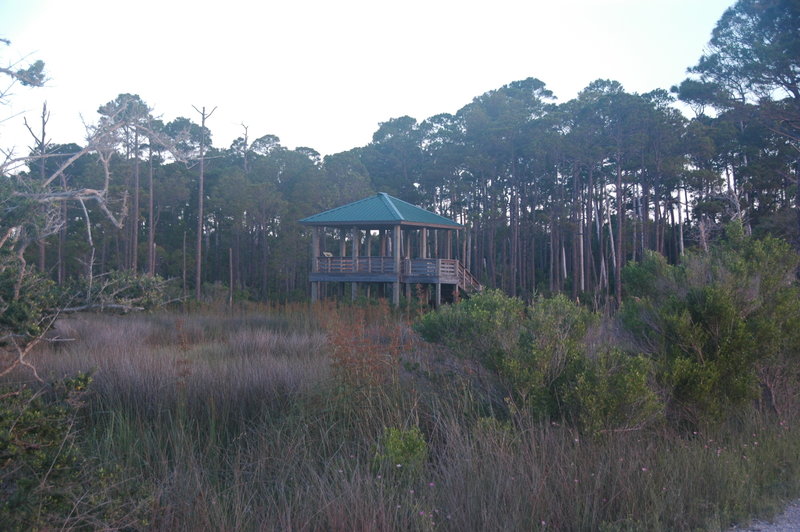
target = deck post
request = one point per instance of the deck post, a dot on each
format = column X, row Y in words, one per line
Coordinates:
column 354, row 285
column 408, row 262
column 368, row 239
column 342, row 254
column 314, row 265
column 396, row 253
column 423, row 254
column 448, row 254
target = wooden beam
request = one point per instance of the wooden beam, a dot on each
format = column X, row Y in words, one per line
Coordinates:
column 369, row 254
column 448, row 254
column 342, row 253
column 314, row 255
column 396, row 254
column 314, row 247
column 354, row 285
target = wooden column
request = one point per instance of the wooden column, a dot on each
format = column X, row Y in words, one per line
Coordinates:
column 408, row 260
column 438, row 296
column 314, row 265
column 354, row 285
column 423, row 254
column 383, row 251
column 448, row 254
column 396, row 250
column 343, row 254
column 369, row 254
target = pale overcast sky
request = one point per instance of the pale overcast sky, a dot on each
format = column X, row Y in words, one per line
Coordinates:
column 324, row 73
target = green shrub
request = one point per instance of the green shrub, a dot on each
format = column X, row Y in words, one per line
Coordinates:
column 485, row 327
column 613, row 393
column 537, row 351
column 549, row 356
column 714, row 323
column 403, row 451
column 42, row 467
column 25, row 301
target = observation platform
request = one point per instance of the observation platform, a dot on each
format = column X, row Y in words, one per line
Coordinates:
column 376, row 237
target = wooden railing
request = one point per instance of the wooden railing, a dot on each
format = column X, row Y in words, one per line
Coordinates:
column 375, row 265
column 420, row 267
column 467, row 281
column 448, row 271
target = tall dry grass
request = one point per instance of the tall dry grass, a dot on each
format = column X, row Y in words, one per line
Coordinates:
column 273, row 421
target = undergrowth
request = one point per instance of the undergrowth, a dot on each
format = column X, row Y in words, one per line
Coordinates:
column 314, row 420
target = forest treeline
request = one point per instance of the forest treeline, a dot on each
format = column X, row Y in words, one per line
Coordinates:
column 556, row 197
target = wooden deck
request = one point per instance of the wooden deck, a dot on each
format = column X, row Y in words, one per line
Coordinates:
column 383, row 270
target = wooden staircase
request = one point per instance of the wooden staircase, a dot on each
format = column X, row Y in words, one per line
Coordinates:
column 466, row 281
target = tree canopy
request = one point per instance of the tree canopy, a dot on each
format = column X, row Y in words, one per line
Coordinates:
column 556, row 196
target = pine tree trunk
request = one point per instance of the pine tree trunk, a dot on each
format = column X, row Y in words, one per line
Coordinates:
column 620, row 216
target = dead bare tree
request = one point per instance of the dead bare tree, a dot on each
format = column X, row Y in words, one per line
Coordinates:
column 40, row 147
column 31, row 209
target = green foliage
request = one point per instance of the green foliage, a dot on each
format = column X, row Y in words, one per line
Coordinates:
column 754, row 48
column 614, row 393
column 403, row 451
column 709, row 335
column 48, row 477
column 33, row 75
column 486, row 327
column 550, row 356
column 538, row 351
column 712, row 322
column 15, row 210
column 42, row 466
column 25, row 301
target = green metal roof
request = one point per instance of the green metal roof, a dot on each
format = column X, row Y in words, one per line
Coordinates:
column 380, row 210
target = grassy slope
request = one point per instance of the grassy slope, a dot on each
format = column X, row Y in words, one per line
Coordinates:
column 277, row 421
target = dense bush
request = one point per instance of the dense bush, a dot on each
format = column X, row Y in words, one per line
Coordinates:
column 716, row 324
column 42, row 467
column 550, row 357
column 402, row 452
column 614, row 393
column 719, row 331
column 486, row 327
column 26, row 300
column 540, row 353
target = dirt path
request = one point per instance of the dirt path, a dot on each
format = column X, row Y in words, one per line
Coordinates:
column 788, row 521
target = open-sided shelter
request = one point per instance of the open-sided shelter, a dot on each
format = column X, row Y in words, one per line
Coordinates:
column 408, row 249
